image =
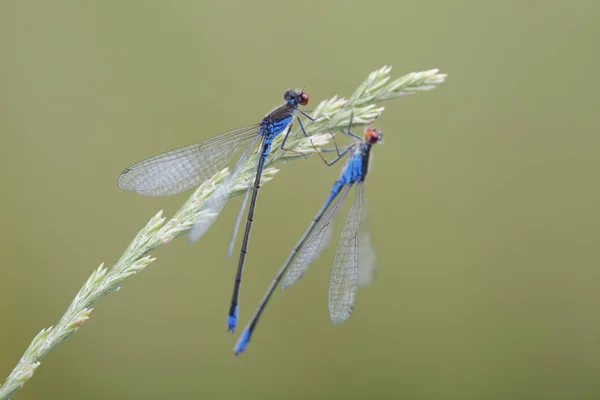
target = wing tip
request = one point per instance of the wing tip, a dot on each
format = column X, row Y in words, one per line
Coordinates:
column 339, row 319
column 124, row 181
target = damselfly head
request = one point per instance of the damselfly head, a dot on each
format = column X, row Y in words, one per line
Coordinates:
column 373, row 135
column 297, row 96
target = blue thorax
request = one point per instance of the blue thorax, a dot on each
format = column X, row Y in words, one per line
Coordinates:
column 355, row 170
column 275, row 123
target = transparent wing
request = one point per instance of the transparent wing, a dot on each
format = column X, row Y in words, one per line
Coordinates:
column 181, row 169
column 217, row 200
column 344, row 274
column 367, row 261
column 238, row 221
column 316, row 242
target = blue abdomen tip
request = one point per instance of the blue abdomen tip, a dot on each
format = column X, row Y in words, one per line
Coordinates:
column 232, row 320
column 240, row 346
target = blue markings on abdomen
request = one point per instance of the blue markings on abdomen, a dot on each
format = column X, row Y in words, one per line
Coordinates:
column 335, row 190
column 242, row 343
column 232, row 320
column 267, row 148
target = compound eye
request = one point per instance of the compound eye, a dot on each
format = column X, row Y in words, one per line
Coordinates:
column 303, row 98
column 372, row 135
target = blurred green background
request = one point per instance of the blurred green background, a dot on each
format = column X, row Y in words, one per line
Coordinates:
column 483, row 199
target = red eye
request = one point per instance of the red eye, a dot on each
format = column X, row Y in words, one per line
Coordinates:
column 372, row 135
column 303, row 100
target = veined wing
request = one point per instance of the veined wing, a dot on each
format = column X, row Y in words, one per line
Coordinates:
column 344, row 274
column 316, row 242
column 238, row 220
column 218, row 198
column 367, row 260
column 181, row 169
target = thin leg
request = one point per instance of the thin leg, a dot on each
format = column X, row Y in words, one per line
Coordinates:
column 313, row 145
column 349, row 133
column 287, row 133
column 285, row 138
column 337, row 149
column 342, row 154
column 309, row 117
column 354, row 135
column 302, row 125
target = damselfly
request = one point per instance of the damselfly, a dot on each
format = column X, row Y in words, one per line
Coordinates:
column 354, row 261
column 181, row 169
